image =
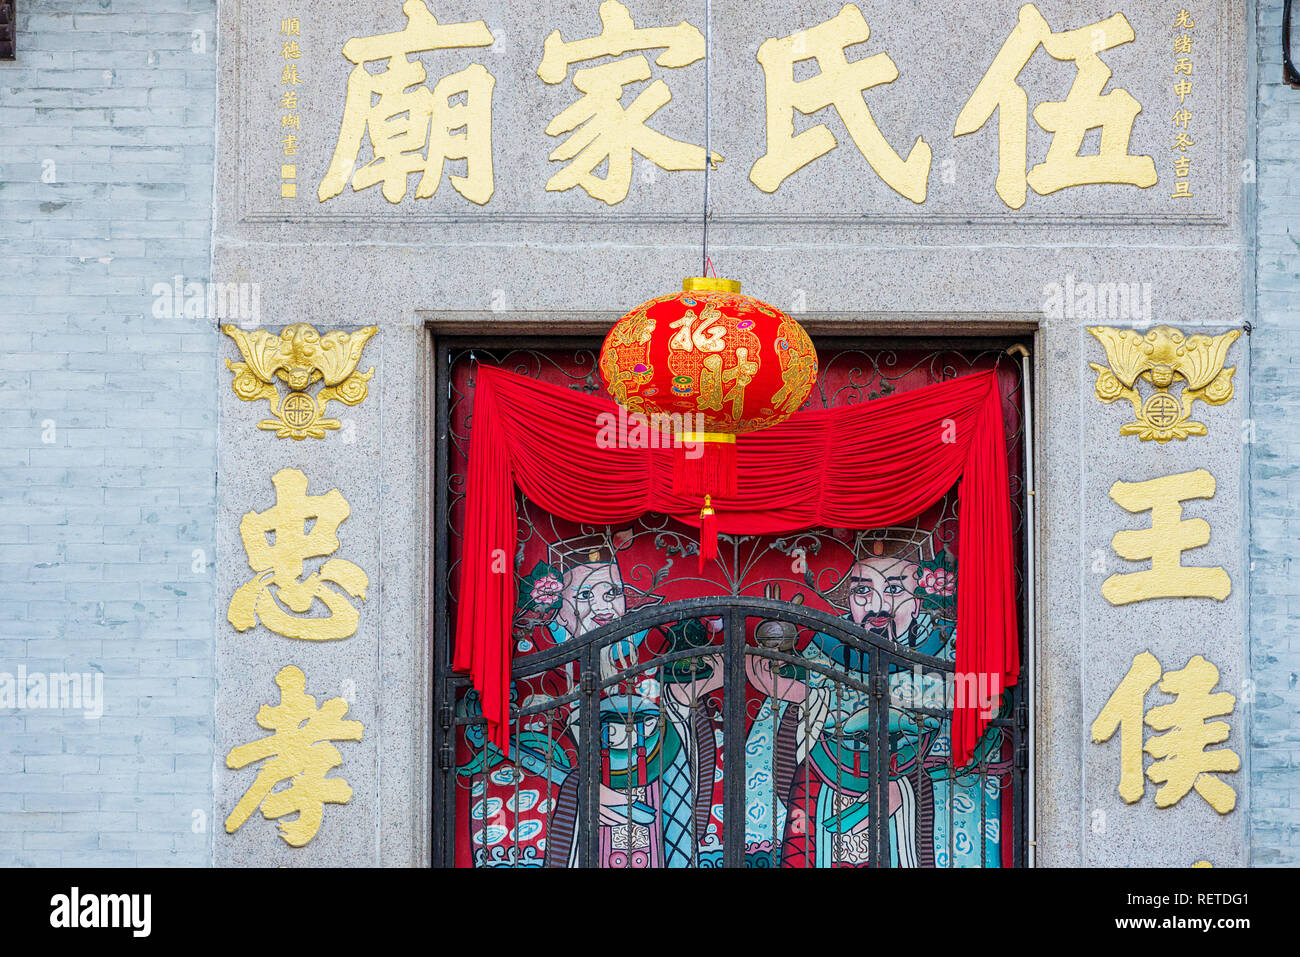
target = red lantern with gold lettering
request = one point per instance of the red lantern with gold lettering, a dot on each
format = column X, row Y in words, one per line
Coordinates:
column 708, row 364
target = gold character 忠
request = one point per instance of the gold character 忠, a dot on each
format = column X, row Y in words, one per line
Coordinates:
column 299, row 526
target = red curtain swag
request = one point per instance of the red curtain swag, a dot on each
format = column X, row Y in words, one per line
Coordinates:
column 861, row 466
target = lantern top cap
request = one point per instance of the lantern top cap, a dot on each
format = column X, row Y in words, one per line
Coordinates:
column 710, row 284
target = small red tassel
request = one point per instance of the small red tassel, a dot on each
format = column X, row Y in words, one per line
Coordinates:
column 705, row 468
column 708, row 533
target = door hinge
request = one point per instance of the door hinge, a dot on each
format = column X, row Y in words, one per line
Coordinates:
column 444, row 716
column 588, row 683
column 445, row 757
column 1022, row 758
column 879, row 685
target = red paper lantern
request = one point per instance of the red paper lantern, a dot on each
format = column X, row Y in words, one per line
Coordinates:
column 710, row 364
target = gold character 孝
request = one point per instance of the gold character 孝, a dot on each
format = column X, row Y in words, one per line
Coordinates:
column 277, row 542
column 297, row 751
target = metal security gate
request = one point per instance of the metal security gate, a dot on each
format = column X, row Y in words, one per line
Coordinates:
column 653, row 726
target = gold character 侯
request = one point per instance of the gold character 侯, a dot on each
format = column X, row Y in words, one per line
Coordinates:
column 1183, row 759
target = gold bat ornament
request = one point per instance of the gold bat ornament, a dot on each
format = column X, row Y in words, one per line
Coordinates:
column 300, row 357
column 1161, row 357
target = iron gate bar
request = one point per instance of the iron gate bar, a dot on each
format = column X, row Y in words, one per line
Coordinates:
column 878, row 761
column 733, row 737
column 442, row 842
column 1020, row 763
column 589, row 803
column 713, row 606
column 735, row 611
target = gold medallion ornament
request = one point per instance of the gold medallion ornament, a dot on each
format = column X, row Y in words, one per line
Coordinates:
column 300, row 357
column 1161, row 357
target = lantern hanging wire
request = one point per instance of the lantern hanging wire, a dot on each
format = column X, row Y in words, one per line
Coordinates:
column 708, row 128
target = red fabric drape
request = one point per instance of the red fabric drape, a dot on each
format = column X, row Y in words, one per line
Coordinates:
column 859, row 466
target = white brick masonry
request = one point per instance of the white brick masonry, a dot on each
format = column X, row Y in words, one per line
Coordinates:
column 107, row 429
column 1275, row 475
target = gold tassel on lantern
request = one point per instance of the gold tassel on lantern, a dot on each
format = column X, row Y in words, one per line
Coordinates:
column 708, row 532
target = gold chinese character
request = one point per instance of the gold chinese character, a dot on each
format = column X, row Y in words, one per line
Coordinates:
column 290, row 144
column 289, row 27
column 839, row 84
column 290, row 121
column 715, row 378
column 289, row 101
column 1182, row 163
column 1181, row 142
column 411, row 128
column 1123, row 711
column 301, row 526
column 1183, row 43
column 1182, row 189
column 1164, row 542
column 1181, row 90
column 1183, row 65
column 610, row 133
column 1184, row 19
column 1182, row 118
column 298, row 749
column 1182, row 761
column 1084, row 108
column 289, row 75
column 290, row 51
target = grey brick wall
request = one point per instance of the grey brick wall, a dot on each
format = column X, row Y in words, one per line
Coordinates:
column 1275, row 476
column 107, row 430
